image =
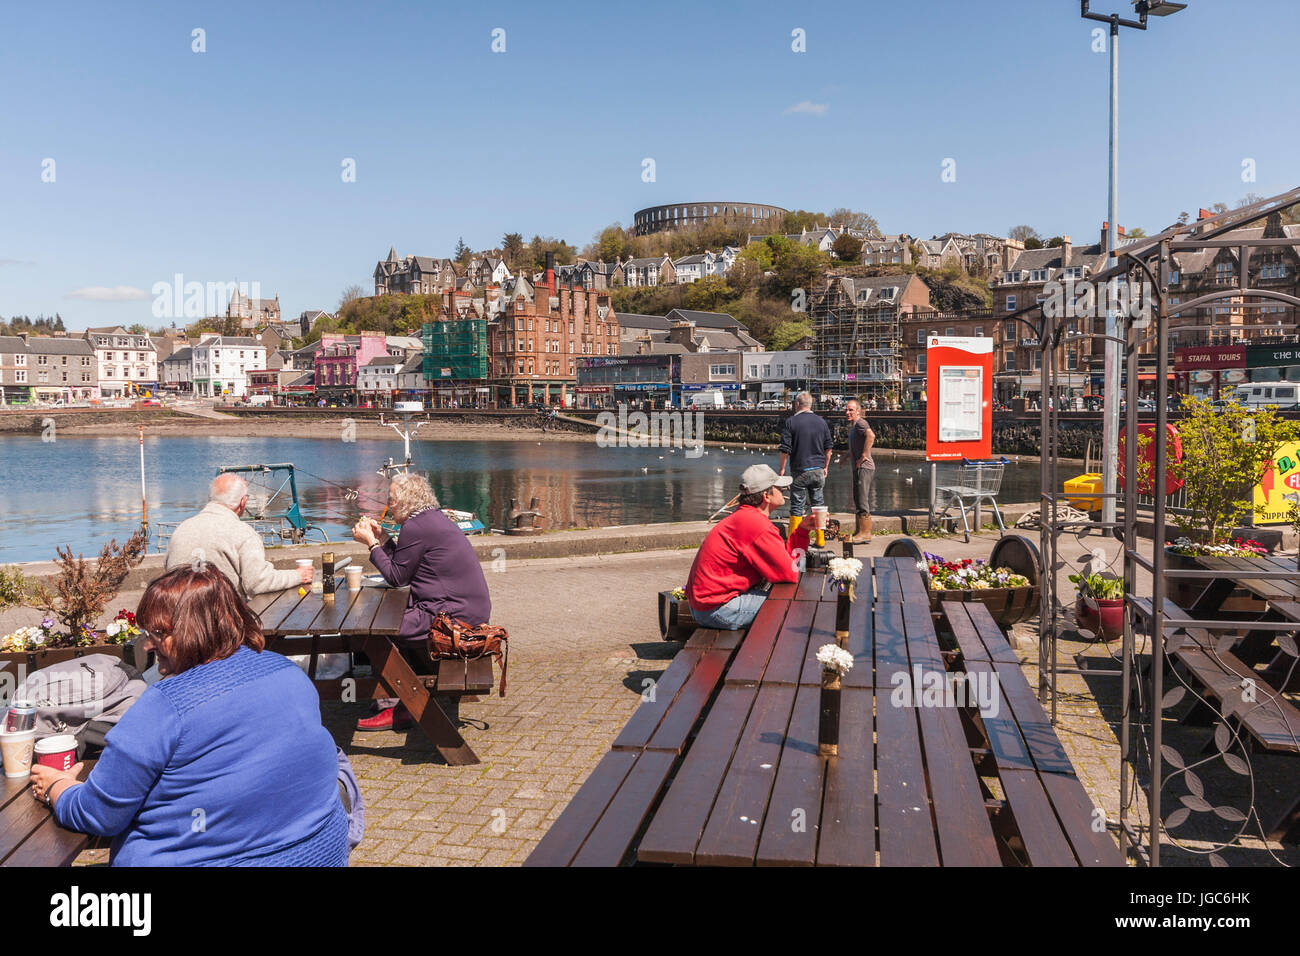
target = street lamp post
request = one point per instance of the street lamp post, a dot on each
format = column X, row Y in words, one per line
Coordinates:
column 1111, row 372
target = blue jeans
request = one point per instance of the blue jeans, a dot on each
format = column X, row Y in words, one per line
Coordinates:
column 736, row 614
column 811, row 482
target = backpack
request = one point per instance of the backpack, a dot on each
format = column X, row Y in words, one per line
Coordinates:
column 451, row 638
column 84, row 697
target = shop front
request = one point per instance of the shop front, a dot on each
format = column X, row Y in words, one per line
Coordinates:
column 1209, row 371
column 1273, row 363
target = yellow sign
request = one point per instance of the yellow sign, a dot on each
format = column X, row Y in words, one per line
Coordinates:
column 1279, row 489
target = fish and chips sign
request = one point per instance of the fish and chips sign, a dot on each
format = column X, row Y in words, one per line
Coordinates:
column 1279, row 488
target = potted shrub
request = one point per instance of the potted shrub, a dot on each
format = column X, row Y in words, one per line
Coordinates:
column 1100, row 605
column 1007, row 583
column 1225, row 453
column 73, row 603
column 675, row 620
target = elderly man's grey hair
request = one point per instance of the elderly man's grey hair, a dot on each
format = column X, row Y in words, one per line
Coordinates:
column 227, row 489
column 408, row 493
column 803, row 400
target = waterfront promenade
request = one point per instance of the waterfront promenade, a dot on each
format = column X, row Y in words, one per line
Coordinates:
column 584, row 639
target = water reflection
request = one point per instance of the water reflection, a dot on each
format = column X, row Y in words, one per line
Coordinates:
column 86, row 490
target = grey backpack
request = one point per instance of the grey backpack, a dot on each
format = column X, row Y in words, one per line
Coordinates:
column 83, row 697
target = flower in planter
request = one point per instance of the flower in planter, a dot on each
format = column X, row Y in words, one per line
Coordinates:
column 679, row 594
column 834, row 658
column 122, row 628
column 970, row 574
column 844, row 572
column 1236, row 548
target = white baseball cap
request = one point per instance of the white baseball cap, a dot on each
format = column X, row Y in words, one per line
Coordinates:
column 758, row 478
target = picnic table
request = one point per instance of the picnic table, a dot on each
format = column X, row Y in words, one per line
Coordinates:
column 366, row 620
column 29, row 834
column 910, row 785
column 1221, row 663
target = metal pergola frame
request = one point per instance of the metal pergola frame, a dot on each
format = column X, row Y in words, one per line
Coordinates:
column 1143, row 696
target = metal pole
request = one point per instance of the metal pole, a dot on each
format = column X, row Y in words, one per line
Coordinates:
column 1110, row 433
column 144, row 504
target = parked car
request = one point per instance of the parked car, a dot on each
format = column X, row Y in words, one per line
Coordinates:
column 771, row 405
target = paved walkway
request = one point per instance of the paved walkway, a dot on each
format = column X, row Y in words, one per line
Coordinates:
column 585, row 641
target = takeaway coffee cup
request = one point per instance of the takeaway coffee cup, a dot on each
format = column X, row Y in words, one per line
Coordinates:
column 304, row 562
column 59, row 751
column 353, row 573
column 16, row 749
column 819, row 515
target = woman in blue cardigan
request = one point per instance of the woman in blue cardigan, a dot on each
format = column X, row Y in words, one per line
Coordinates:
column 224, row 762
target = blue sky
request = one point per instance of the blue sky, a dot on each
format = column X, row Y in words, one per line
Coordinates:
column 225, row 165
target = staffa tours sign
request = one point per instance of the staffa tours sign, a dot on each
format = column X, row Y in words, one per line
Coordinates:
column 1279, row 488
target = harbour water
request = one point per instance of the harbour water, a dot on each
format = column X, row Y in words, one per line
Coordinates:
column 84, row 491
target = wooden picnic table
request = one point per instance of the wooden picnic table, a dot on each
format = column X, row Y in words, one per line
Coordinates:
column 366, row 620
column 29, row 834
column 749, row 787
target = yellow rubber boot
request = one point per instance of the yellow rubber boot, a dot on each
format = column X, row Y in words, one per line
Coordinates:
column 795, row 521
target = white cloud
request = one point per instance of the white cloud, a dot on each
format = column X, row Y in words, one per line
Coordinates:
column 808, row 106
column 103, row 293
column 4, row 261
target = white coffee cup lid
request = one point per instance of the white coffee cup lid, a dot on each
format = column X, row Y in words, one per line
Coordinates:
column 305, row 562
column 56, row 744
column 30, row 732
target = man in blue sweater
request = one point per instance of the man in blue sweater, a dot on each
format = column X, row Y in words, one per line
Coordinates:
column 806, row 445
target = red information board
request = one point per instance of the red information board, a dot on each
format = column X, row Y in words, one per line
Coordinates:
column 959, row 397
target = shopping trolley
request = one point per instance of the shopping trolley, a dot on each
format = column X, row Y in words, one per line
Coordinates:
column 965, row 484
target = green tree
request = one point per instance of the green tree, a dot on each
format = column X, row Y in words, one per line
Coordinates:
column 710, row 294
column 1137, row 233
column 138, row 329
column 786, row 334
column 462, row 253
column 1225, row 453
column 846, row 248
column 512, row 249
column 864, row 222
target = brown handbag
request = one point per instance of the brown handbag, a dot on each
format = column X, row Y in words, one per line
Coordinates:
column 453, row 639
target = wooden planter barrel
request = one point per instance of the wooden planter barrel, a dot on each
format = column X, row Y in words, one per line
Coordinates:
column 1008, row 606
column 21, row 663
column 675, row 620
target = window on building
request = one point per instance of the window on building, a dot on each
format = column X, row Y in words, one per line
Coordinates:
column 950, row 331
column 979, row 331
column 1009, row 363
column 1011, row 303
column 920, row 361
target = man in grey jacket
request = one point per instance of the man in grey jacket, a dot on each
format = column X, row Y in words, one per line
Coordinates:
column 216, row 536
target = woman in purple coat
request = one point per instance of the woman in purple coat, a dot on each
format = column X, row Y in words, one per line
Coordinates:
column 434, row 558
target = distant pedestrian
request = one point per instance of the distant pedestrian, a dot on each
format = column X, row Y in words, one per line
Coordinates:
column 861, row 440
column 806, row 444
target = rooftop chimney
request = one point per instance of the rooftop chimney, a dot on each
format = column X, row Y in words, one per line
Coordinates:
column 550, row 271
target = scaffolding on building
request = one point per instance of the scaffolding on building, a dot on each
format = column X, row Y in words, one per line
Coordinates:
column 455, row 350
column 859, row 340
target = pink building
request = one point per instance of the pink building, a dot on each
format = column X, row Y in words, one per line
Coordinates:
column 338, row 359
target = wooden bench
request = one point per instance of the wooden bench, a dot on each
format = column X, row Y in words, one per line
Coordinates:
column 1044, row 817
column 602, row 822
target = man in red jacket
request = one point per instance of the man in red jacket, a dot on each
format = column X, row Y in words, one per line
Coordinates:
column 725, row 588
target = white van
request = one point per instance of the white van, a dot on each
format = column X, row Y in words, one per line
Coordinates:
column 1282, row 395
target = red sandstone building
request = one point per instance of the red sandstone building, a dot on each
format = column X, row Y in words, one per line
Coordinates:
column 540, row 333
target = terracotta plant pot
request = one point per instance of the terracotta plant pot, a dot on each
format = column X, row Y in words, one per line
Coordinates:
column 1106, row 621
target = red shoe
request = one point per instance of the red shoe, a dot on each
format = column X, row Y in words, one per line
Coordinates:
column 391, row 718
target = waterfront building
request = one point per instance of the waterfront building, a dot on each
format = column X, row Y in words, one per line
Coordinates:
column 177, row 371
column 337, row 363
column 695, row 332
column 607, row 380
column 412, row 386
column 711, row 372
column 377, row 380
column 220, row 364
column 542, row 330
column 127, row 363
column 41, row 368
column 649, row 271
column 591, row 275
column 778, row 375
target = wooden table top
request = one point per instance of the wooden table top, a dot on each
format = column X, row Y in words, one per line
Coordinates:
column 753, row 789
column 29, row 834
column 353, row 613
column 1268, row 589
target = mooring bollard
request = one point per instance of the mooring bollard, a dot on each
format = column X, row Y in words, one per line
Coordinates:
column 523, row 522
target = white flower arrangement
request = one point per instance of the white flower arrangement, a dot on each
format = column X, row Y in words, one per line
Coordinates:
column 845, row 569
column 832, row 657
